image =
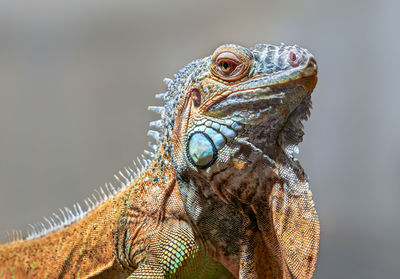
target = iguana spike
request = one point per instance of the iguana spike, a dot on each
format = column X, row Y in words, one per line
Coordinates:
column 133, row 173
column 67, row 213
column 145, row 161
column 43, row 227
column 90, row 200
column 161, row 95
column 101, row 198
column 76, row 210
column 142, row 164
column 58, row 217
column 154, row 134
column 108, row 190
column 157, row 124
column 47, row 220
column 88, row 205
column 152, row 146
column 129, row 174
column 63, row 214
column 137, row 172
column 71, row 214
column 53, row 222
column 112, row 188
column 80, row 208
column 32, row 232
column 95, row 198
column 104, row 196
column 167, row 81
column 37, row 229
column 159, row 110
column 149, row 153
column 123, row 176
column 119, row 180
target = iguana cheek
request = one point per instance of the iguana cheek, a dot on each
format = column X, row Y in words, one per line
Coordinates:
column 201, row 150
column 207, row 139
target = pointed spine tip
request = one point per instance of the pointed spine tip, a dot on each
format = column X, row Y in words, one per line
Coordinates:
column 156, row 109
column 167, row 81
column 161, row 96
column 157, row 124
column 154, row 134
column 150, row 154
column 152, row 146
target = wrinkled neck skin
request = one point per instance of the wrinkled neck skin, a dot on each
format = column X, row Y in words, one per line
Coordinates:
column 228, row 202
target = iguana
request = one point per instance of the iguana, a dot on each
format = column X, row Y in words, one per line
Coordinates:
column 222, row 196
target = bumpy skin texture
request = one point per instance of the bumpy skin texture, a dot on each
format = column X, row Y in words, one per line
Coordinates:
column 221, row 197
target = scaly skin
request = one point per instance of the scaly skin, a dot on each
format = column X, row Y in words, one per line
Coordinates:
column 222, row 197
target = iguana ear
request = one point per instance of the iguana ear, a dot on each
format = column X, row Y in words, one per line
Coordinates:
column 296, row 227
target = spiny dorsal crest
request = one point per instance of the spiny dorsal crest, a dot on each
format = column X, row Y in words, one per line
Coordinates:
column 67, row 216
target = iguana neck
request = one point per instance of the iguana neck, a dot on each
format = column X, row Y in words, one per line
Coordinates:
column 66, row 250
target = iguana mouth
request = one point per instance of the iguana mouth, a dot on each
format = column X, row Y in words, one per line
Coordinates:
column 249, row 99
column 272, row 116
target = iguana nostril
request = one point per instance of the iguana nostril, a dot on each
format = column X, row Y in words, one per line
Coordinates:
column 294, row 60
column 293, row 56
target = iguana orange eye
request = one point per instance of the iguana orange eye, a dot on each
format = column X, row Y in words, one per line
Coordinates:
column 230, row 63
column 227, row 66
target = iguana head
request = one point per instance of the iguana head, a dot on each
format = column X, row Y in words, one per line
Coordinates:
column 238, row 105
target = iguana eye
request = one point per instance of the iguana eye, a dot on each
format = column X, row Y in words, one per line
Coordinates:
column 227, row 66
column 230, row 63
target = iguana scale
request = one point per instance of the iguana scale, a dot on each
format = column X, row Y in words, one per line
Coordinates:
column 222, row 196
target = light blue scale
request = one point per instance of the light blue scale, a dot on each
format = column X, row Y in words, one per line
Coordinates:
column 217, row 138
column 201, row 150
column 216, row 126
column 227, row 132
column 205, row 142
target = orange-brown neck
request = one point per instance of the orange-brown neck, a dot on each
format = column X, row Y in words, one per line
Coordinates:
column 107, row 240
column 84, row 248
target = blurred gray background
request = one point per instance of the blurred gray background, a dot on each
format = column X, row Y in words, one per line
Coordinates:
column 76, row 78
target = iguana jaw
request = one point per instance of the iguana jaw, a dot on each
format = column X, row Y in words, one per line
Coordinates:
column 292, row 133
column 270, row 115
